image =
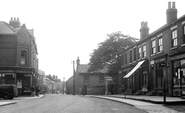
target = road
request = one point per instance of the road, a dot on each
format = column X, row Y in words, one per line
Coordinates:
column 58, row 103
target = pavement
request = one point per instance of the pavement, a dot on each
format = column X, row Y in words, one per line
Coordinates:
column 17, row 99
column 150, row 104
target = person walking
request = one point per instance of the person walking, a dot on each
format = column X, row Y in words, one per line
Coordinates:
column 37, row 90
column 32, row 91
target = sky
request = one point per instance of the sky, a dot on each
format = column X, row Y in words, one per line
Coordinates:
column 67, row 29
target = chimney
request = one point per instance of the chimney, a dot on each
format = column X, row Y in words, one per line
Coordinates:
column 78, row 61
column 171, row 13
column 14, row 22
column 144, row 30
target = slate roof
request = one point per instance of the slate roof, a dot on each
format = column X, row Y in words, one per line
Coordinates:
column 6, row 28
column 83, row 68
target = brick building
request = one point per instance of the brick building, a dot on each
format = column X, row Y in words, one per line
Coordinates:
column 18, row 56
column 85, row 82
column 158, row 59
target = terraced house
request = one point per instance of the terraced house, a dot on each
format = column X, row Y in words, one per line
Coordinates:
column 158, row 59
column 18, row 56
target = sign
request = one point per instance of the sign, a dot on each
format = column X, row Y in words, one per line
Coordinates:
column 162, row 64
column 108, row 78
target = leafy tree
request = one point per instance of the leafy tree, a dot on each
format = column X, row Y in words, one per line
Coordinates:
column 108, row 54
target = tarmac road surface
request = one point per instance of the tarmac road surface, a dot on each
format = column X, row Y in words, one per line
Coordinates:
column 58, row 103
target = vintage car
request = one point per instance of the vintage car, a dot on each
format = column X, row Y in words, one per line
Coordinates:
column 8, row 91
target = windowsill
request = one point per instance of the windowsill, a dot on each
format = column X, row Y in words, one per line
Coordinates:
column 183, row 45
column 173, row 48
column 152, row 54
column 160, row 52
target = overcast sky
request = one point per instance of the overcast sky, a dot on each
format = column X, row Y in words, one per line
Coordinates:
column 66, row 29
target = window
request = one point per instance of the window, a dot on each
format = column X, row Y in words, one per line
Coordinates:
column 86, row 77
column 23, row 60
column 130, row 56
column 125, row 58
column 139, row 53
column 122, row 60
column 153, row 47
column 144, row 51
column 101, row 77
column 183, row 34
column 174, row 38
column 135, row 54
column 160, row 46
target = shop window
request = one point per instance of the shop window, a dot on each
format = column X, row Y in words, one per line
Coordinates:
column 176, row 74
column 153, row 47
column 183, row 73
column 23, row 60
column 9, row 78
column 174, row 38
column 160, row 46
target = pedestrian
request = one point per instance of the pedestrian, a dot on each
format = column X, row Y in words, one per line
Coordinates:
column 32, row 91
column 37, row 90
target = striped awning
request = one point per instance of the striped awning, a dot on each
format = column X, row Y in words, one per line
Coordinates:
column 134, row 69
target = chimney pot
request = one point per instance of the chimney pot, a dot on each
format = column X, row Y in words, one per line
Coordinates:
column 169, row 5
column 173, row 5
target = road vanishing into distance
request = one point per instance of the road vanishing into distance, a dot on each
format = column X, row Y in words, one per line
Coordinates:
column 58, row 103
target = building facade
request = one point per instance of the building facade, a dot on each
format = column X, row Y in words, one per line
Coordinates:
column 18, row 58
column 157, row 61
column 85, row 82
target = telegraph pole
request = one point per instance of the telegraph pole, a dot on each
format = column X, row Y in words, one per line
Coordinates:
column 73, row 77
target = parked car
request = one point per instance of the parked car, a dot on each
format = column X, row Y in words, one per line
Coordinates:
column 8, row 91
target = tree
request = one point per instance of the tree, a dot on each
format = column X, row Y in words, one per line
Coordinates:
column 108, row 54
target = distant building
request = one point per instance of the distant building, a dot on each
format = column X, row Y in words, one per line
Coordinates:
column 85, row 82
column 18, row 56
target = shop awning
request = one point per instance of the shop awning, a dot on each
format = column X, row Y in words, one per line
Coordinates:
column 134, row 69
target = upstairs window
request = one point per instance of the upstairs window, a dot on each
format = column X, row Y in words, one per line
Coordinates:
column 23, row 60
column 183, row 34
column 125, row 58
column 153, row 46
column 135, row 54
column 174, row 38
column 130, row 56
column 139, row 53
column 122, row 60
column 160, row 46
column 144, row 51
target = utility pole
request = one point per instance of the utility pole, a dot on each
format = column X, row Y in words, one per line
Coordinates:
column 73, row 77
column 63, row 85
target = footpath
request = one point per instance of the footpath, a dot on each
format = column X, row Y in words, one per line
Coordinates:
column 17, row 99
column 150, row 104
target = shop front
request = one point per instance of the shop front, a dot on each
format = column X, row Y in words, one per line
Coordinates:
column 23, row 79
column 178, row 75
